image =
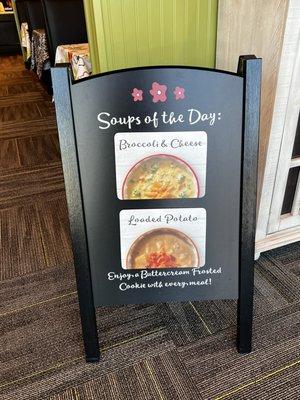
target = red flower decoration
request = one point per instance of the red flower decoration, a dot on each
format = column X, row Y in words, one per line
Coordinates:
column 137, row 94
column 179, row 93
column 158, row 92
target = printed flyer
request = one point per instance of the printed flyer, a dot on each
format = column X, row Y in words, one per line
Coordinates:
column 160, row 165
column 163, row 238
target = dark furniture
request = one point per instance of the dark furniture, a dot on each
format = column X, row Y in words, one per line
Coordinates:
column 35, row 15
column 21, row 7
column 65, row 23
column 9, row 40
column 22, row 14
column 31, row 11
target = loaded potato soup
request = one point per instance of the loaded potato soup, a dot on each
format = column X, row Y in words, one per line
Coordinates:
column 160, row 177
column 163, row 248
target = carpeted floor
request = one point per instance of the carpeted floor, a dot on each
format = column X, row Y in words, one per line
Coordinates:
column 160, row 352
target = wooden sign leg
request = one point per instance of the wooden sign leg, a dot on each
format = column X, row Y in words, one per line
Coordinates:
column 250, row 68
column 64, row 115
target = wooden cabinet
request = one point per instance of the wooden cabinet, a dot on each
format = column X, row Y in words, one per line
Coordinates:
column 9, row 40
column 270, row 30
column 255, row 27
column 279, row 208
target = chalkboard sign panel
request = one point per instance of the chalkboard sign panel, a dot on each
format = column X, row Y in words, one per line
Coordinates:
column 154, row 162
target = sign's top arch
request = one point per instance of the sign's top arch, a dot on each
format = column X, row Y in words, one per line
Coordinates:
column 183, row 68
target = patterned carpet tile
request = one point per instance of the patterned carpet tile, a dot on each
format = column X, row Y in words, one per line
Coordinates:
column 190, row 321
column 281, row 276
column 286, row 256
column 63, row 365
column 3, row 90
column 183, row 322
column 27, row 88
column 15, row 78
column 26, row 185
column 17, row 155
column 39, row 337
column 221, row 369
column 284, row 384
column 210, row 359
column 9, row 157
column 21, row 250
column 55, row 230
column 46, row 108
column 19, row 112
column 36, row 289
column 267, row 297
column 13, row 74
column 11, row 98
column 27, row 128
column 38, row 150
column 124, row 324
column 34, row 236
column 160, row 377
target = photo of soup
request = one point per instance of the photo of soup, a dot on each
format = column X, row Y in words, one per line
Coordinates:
column 162, row 248
column 160, row 177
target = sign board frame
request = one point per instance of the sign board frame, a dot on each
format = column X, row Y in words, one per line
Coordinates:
column 249, row 69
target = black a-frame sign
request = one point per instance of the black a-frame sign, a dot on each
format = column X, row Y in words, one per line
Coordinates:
column 160, row 168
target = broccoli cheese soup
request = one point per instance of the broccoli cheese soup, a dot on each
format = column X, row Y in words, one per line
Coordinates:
column 160, row 177
column 162, row 248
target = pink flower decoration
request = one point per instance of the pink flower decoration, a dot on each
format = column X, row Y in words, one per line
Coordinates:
column 137, row 94
column 158, row 92
column 179, row 93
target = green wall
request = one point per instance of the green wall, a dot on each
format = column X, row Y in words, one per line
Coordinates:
column 129, row 33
